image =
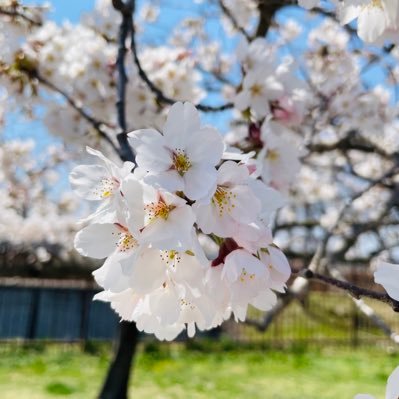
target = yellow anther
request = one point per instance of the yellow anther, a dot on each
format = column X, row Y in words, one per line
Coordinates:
column 272, row 155
column 158, row 210
column 126, row 242
column 256, row 90
column 181, row 162
column 223, row 200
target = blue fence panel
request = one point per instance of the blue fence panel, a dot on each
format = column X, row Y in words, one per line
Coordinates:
column 14, row 312
column 66, row 314
column 59, row 315
column 103, row 321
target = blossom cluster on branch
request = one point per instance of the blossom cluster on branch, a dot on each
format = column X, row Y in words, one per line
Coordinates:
column 151, row 222
column 32, row 221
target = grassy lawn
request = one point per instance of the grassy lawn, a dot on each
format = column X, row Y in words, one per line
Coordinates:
column 222, row 373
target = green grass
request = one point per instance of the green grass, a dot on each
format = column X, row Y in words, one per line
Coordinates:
column 174, row 372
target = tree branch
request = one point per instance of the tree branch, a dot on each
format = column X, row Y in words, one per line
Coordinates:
column 13, row 12
column 267, row 9
column 117, row 381
column 92, row 121
column 126, row 10
column 233, row 20
column 161, row 97
column 352, row 289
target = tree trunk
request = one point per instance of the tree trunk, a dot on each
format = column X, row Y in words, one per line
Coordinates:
column 117, row 382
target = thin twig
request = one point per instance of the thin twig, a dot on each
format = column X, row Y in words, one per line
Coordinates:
column 234, row 21
column 14, row 13
column 92, row 121
column 161, row 97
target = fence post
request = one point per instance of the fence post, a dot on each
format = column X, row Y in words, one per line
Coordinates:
column 85, row 314
column 33, row 314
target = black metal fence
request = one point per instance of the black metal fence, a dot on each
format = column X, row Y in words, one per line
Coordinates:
column 65, row 312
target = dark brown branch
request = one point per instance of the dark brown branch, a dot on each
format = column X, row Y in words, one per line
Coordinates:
column 267, row 10
column 126, row 10
column 354, row 290
column 116, row 383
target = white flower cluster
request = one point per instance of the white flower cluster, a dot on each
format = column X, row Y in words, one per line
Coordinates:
column 272, row 101
column 30, row 218
column 80, row 60
column 269, row 87
column 376, row 19
column 150, row 223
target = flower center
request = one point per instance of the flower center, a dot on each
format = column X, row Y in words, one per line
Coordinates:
column 376, row 4
column 186, row 304
column 245, row 276
column 223, row 199
column 181, row 162
column 125, row 240
column 272, row 155
column 256, row 89
column 171, row 258
column 159, row 209
column 107, row 187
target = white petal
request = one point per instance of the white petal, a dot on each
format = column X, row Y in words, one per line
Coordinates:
column 110, row 166
column 242, row 100
column 199, row 180
column 265, row 300
column 232, row 173
column 165, row 304
column 349, row 12
column 148, row 272
column 183, row 120
column 371, row 23
column 133, row 194
column 151, row 149
column 387, row 274
column 169, row 180
column 205, row 146
column 96, row 240
column 110, row 276
column 172, row 233
column 86, row 181
column 393, row 385
column 246, row 205
column 308, row 3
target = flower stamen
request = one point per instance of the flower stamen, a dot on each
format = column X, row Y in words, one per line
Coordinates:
column 181, row 162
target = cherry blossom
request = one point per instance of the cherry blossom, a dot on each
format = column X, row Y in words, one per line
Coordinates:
column 184, row 157
column 100, row 183
column 230, row 204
